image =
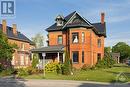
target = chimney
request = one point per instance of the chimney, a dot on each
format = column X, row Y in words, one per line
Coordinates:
column 102, row 17
column 14, row 29
column 4, row 26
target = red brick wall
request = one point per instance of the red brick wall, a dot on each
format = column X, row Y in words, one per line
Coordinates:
column 90, row 45
column 19, row 52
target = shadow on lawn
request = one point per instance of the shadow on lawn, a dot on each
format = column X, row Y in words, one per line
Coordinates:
column 11, row 82
column 93, row 85
column 104, row 85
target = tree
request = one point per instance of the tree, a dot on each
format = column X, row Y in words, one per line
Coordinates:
column 38, row 39
column 107, row 61
column 107, row 51
column 66, row 69
column 35, row 60
column 6, row 49
column 123, row 49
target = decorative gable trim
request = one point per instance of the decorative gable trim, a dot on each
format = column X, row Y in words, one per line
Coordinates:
column 73, row 18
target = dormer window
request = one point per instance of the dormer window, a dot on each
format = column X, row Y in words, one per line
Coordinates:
column 59, row 20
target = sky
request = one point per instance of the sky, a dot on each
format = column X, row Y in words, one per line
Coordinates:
column 34, row 16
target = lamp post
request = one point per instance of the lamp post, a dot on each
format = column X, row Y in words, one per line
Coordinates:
column 43, row 62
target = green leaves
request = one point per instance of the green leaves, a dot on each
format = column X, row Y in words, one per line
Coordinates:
column 123, row 49
column 38, row 39
column 67, row 67
column 35, row 60
column 6, row 49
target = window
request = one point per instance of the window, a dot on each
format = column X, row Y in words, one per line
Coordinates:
column 22, row 59
column 75, row 56
column 75, row 38
column 27, row 59
column 60, row 39
column 99, row 42
column 83, row 37
column 59, row 22
column 13, row 60
column 82, row 56
column 98, row 56
column 22, row 46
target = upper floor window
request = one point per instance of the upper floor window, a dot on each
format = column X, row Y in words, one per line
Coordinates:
column 83, row 37
column 75, row 37
column 99, row 43
column 60, row 39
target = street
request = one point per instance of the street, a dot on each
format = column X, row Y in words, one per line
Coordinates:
column 10, row 82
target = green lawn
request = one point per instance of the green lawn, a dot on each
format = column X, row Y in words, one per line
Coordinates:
column 100, row 75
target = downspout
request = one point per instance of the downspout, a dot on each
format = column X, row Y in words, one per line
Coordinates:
column 91, row 54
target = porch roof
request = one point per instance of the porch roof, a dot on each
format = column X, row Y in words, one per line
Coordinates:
column 48, row 49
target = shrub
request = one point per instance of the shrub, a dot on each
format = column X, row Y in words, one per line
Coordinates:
column 58, row 68
column 105, row 63
column 35, row 60
column 1, row 67
column 7, row 72
column 67, row 67
column 23, row 72
column 53, row 67
column 32, row 70
column 85, row 67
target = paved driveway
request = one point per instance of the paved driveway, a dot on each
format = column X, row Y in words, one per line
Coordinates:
column 10, row 82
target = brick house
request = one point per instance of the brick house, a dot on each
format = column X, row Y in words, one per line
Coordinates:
column 83, row 40
column 22, row 55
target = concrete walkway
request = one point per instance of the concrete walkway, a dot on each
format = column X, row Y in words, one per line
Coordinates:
column 10, row 82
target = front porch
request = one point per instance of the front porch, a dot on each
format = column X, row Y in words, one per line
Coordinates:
column 50, row 54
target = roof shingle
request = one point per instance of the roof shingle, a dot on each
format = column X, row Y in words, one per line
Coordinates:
column 99, row 28
column 19, row 35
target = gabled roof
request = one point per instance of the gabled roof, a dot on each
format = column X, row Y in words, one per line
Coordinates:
column 19, row 35
column 100, row 29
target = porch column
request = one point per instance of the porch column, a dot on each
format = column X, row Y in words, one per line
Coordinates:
column 118, row 59
column 58, row 58
column 63, row 57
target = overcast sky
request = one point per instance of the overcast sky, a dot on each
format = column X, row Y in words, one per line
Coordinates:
column 34, row 16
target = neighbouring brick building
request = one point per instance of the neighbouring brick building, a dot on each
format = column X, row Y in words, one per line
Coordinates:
column 22, row 55
column 83, row 40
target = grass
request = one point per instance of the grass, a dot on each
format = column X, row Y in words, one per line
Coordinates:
column 100, row 75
